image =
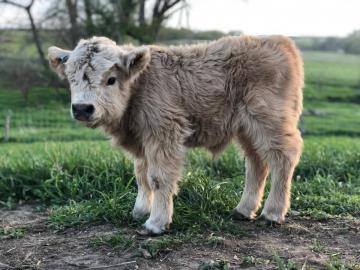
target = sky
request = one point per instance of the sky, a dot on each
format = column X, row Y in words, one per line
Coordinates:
column 288, row 17
column 257, row 17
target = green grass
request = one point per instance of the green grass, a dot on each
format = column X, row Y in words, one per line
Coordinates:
column 118, row 241
column 284, row 265
column 40, row 97
column 332, row 68
column 321, row 93
column 19, row 43
column 57, row 134
column 91, row 182
column 11, row 233
column 332, row 72
column 45, row 116
column 335, row 263
column 331, row 119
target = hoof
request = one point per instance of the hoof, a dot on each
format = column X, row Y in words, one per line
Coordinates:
column 268, row 222
column 238, row 216
column 152, row 229
column 146, row 232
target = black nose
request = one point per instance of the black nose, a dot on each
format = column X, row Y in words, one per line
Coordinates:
column 82, row 112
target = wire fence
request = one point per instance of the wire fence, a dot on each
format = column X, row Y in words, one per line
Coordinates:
column 23, row 125
column 38, row 118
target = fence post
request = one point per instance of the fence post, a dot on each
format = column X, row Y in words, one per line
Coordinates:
column 302, row 124
column 7, row 125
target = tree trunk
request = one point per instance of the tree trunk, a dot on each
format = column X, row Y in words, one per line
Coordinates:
column 124, row 11
column 74, row 31
column 7, row 126
column 36, row 38
column 160, row 13
column 142, row 12
column 90, row 28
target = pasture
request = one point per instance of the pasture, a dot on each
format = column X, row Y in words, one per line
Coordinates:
column 66, row 193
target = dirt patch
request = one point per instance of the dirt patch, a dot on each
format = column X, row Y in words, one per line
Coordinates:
column 301, row 240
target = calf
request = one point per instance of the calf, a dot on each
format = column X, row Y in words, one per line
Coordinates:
column 156, row 102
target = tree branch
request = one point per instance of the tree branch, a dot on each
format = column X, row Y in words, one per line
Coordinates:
column 33, row 28
column 13, row 3
column 173, row 4
column 28, row 7
column 162, row 6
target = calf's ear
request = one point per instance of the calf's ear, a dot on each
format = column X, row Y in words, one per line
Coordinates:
column 57, row 58
column 136, row 60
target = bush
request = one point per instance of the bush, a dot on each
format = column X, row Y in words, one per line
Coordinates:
column 352, row 43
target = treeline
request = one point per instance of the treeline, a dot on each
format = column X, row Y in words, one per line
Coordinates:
column 349, row 44
column 177, row 34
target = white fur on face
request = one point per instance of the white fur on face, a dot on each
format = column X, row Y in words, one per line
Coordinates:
column 83, row 97
column 88, row 68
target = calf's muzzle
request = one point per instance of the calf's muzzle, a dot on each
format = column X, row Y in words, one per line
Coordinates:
column 82, row 112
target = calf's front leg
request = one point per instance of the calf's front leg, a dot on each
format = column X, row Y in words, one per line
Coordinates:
column 144, row 196
column 164, row 171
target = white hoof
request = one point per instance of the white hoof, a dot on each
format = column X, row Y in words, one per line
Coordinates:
column 273, row 217
column 247, row 213
column 154, row 228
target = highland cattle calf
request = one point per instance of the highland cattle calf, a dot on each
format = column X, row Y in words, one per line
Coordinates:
column 156, row 102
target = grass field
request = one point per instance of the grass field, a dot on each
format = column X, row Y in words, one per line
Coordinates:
column 75, row 174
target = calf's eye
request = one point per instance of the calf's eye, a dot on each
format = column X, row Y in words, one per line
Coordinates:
column 111, row 81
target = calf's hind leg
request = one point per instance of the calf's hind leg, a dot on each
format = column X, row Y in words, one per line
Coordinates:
column 282, row 162
column 256, row 174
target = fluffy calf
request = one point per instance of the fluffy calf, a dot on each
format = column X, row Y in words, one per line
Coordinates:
column 157, row 102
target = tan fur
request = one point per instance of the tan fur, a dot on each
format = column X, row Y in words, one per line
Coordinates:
column 169, row 99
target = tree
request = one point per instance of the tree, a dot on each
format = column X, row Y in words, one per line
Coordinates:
column 117, row 19
column 89, row 23
column 146, row 30
column 352, row 43
column 73, row 16
column 34, row 30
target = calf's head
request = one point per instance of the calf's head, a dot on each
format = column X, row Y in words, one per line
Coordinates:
column 100, row 74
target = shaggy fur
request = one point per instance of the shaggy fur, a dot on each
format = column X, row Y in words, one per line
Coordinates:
column 165, row 100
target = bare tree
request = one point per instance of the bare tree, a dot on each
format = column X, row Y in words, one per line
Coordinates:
column 89, row 23
column 161, row 11
column 116, row 19
column 141, row 12
column 120, row 18
column 73, row 16
column 34, row 30
column 145, row 30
